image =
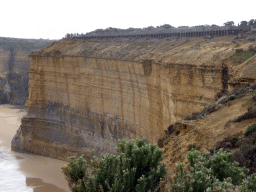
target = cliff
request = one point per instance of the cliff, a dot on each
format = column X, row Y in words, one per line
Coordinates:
column 223, row 128
column 14, row 68
column 84, row 95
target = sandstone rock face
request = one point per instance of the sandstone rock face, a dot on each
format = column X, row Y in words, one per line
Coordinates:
column 14, row 68
column 80, row 104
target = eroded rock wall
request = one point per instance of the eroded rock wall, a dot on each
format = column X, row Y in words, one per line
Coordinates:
column 14, row 68
column 81, row 104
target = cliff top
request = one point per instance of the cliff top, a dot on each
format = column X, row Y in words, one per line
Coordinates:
column 199, row 51
column 182, row 51
column 25, row 44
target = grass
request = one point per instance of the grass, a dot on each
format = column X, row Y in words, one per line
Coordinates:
column 13, row 81
column 247, row 55
column 245, row 96
column 243, row 55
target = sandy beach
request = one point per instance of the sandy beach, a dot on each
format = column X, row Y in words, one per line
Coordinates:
column 25, row 172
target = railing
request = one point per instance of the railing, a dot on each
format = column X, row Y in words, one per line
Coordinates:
column 172, row 31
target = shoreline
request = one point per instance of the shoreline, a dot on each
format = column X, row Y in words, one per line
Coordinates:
column 41, row 173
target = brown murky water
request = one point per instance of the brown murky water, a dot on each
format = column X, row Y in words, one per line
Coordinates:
column 25, row 172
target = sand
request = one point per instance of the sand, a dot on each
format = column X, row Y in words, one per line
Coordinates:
column 25, row 172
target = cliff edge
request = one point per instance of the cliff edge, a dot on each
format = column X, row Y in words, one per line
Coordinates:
column 84, row 95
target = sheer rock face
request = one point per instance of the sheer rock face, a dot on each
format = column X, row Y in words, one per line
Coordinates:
column 14, row 68
column 80, row 104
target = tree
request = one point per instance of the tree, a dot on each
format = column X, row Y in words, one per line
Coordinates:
column 183, row 27
column 137, row 167
column 243, row 23
column 208, row 172
column 166, row 26
column 131, row 29
column 251, row 22
column 68, row 35
column 229, row 23
column 150, row 28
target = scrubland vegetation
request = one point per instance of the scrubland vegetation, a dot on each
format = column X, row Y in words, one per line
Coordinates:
column 25, row 44
column 137, row 167
column 250, row 23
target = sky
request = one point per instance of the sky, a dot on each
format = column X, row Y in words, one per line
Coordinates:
column 53, row 19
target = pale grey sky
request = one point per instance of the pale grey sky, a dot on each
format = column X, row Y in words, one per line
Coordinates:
column 54, row 18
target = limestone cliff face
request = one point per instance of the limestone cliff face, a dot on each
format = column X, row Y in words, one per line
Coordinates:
column 82, row 104
column 14, row 67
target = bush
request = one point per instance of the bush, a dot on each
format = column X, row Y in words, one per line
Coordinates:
column 137, row 167
column 170, row 130
column 231, row 98
column 249, row 184
column 250, row 47
column 160, row 142
column 248, row 115
column 207, row 110
column 194, row 116
column 246, row 156
column 75, row 173
column 242, row 91
column 250, row 129
column 191, row 146
column 228, row 142
column 253, row 86
column 208, row 172
column 239, row 50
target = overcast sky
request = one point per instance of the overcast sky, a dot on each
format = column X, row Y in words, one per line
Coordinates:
column 52, row 19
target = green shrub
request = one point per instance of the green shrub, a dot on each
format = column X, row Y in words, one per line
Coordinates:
column 248, row 55
column 208, row 172
column 191, row 145
column 248, row 115
column 250, row 129
column 235, row 139
column 137, row 167
column 246, row 156
column 75, row 172
column 231, row 98
column 249, row 184
column 13, row 81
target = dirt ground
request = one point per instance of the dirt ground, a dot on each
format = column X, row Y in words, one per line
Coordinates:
column 205, row 132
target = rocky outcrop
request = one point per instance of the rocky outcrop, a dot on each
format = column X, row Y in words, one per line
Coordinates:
column 85, row 95
column 14, row 67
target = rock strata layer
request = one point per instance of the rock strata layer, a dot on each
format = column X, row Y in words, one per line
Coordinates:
column 83, row 104
column 14, row 68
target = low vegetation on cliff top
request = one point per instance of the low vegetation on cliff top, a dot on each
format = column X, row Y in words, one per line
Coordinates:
column 25, row 44
column 137, row 167
column 251, row 22
column 243, row 55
